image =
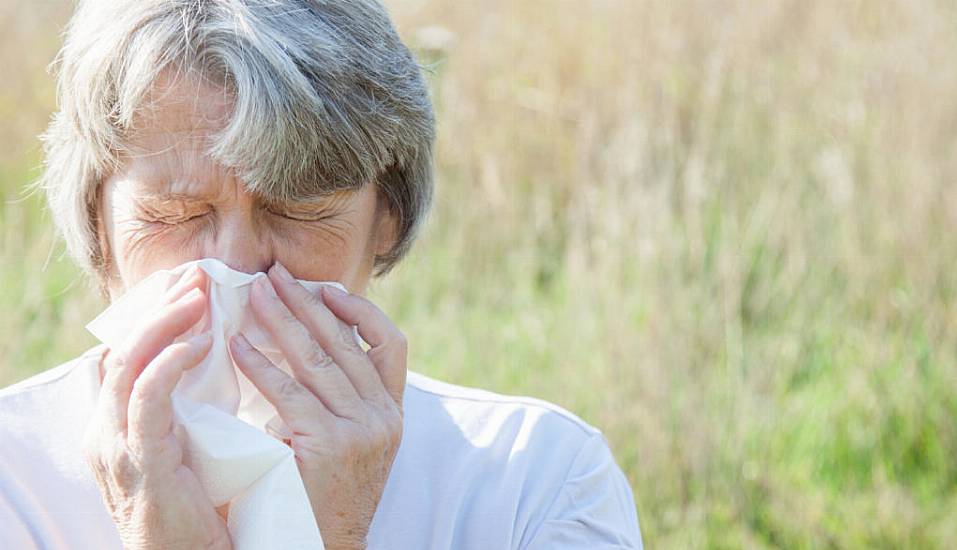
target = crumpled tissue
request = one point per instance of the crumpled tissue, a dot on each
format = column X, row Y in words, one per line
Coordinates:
column 232, row 435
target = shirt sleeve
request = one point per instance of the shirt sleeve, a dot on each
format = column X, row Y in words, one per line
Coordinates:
column 595, row 508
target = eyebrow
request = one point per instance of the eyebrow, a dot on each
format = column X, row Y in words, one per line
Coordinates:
column 330, row 199
column 173, row 185
column 169, row 195
column 166, row 196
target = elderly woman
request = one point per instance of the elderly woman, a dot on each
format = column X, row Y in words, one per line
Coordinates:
column 291, row 137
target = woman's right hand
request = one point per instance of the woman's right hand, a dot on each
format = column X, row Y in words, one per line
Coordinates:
column 155, row 501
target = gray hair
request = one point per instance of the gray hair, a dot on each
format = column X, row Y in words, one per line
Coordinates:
column 325, row 97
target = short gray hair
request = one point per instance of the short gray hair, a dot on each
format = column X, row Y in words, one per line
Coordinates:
column 325, row 97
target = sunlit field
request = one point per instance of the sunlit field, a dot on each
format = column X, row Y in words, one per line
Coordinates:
column 723, row 232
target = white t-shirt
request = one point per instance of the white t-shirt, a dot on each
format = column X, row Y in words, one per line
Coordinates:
column 474, row 470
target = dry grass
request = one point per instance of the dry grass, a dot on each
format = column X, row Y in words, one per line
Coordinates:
column 724, row 232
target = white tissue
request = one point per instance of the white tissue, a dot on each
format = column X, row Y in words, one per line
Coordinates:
column 222, row 417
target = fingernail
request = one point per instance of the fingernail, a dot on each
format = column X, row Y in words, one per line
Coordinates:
column 335, row 291
column 190, row 295
column 201, row 340
column 282, row 272
column 240, row 342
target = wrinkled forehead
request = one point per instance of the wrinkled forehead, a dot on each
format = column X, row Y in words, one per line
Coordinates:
column 166, row 148
column 178, row 109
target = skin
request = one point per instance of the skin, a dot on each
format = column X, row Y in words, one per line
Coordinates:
column 168, row 204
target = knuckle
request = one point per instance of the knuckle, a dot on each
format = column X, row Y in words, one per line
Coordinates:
column 314, row 355
column 313, row 300
column 397, row 345
column 116, row 359
column 116, row 450
column 143, row 396
column 326, row 362
column 395, row 349
column 123, row 467
column 290, row 388
column 170, row 451
column 318, row 358
column 286, row 316
column 347, row 339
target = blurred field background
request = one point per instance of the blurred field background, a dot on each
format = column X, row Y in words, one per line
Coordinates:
column 724, row 232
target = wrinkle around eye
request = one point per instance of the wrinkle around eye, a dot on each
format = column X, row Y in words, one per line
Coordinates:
column 335, row 231
column 175, row 220
column 317, row 216
column 331, row 230
column 144, row 237
column 169, row 210
column 147, row 228
column 334, row 205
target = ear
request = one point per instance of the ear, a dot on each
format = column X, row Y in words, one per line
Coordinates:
column 386, row 225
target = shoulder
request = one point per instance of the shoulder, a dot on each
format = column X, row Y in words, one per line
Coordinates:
column 46, row 490
column 505, row 434
column 45, row 411
column 494, row 407
column 527, row 459
column 49, row 378
column 493, row 427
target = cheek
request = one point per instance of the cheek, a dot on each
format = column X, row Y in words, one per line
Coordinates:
column 319, row 250
column 137, row 246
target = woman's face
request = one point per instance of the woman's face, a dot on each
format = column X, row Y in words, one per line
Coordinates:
column 169, row 203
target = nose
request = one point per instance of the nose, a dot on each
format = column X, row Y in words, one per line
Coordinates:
column 239, row 243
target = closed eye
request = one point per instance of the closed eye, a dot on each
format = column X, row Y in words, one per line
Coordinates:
column 165, row 210
column 177, row 220
column 300, row 216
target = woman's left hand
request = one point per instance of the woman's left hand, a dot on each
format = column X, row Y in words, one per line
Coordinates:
column 343, row 404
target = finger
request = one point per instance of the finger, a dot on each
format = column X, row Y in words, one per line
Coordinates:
column 389, row 349
column 150, row 407
column 334, row 336
column 311, row 365
column 124, row 364
column 297, row 406
column 194, row 277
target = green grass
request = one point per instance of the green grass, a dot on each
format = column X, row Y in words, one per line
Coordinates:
column 724, row 233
